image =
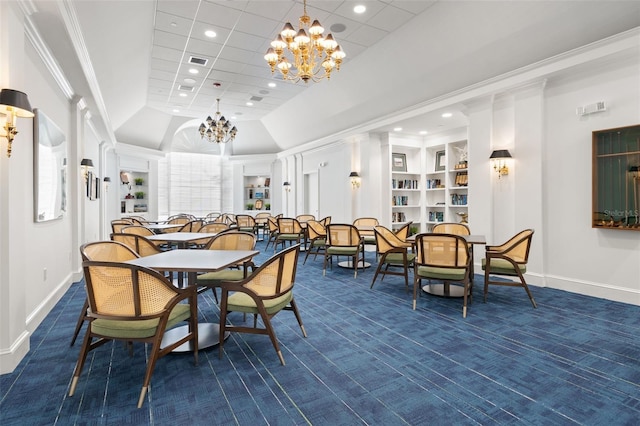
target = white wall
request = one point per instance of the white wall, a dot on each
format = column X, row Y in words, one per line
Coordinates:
column 599, row 262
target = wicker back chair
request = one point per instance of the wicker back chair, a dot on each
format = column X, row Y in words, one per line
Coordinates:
column 367, row 234
column 403, row 232
column 509, row 259
column 446, row 258
column 138, row 243
column 266, row 292
column 131, row 303
column 290, row 230
column 344, row 240
column 229, row 240
column 451, row 228
column 393, row 253
column 118, row 224
column 138, row 230
column 106, row 251
column 317, row 235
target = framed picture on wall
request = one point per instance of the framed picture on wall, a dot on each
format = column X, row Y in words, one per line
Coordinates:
column 441, row 161
column 398, row 162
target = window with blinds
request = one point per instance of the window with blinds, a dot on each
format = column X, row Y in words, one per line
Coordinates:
column 197, row 184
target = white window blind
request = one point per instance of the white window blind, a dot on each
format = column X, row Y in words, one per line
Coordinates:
column 197, row 184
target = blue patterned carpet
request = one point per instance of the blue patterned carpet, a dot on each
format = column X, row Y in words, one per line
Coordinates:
column 368, row 359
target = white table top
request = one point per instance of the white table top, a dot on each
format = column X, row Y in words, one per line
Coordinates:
column 181, row 237
column 471, row 239
column 194, row 260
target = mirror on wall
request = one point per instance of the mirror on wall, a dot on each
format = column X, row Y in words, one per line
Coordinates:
column 616, row 178
column 49, row 169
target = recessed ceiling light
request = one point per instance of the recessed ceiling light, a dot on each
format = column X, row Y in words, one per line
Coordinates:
column 359, row 9
column 423, row 132
column 193, row 71
column 183, row 95
column 210, row 33
column 447, row 115
column 189, row 80
column 173, row 24
column 176, row 110
column 272, row 84
column 397, row 129
column 249, row 103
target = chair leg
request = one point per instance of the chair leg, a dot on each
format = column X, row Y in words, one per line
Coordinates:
column 86, row 343
column 380, row 263
column 294, row 308
column 81, row 319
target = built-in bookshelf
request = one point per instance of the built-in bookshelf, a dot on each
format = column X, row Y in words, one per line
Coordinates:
column 447, row 181
column 134, row 193
column 257, row 193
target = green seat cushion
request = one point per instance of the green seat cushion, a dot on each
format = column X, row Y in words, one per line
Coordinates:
column 242, row 302
column 396, row 258
column 369, row 239
column 453, row 274
column 344, row 251
column 213, row 278
column 289, row 237
column 138, row 329
column 503, row 267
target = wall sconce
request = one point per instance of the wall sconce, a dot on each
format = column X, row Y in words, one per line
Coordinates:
column 355, row 180
column 13, row 104
column 498, row 159
column 85, row 165
column 287, row 186
column 107, row 181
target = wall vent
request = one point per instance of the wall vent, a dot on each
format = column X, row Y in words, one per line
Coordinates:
column 591, row 108
column 198, row 61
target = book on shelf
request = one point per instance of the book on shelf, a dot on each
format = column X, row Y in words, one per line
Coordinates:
column 459, row 199
column 404, row 184
column 462, row 179
column 434, row 183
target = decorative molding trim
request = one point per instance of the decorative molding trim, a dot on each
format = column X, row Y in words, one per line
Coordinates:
column 68, row 13
column 43, row 51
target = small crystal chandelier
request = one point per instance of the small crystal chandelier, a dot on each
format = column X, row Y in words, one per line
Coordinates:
column 218, row 130
column 307, row 50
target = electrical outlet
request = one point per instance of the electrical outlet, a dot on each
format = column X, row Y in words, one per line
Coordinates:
column 44, row 274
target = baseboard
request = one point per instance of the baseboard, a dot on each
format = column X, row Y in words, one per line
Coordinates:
column 11, row 357
column 42, row 310
column 593, row 289
column 588, row 288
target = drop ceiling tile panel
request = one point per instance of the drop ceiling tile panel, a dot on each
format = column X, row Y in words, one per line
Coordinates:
column 257, row 25
column 201, row 48
column 367, row 36
column 373, row 8
column 181, row 8
column 414, row 7
column 161, row 75
column 221, row 14
column 224, row 65
column 170, row 40
column 391, row 19
column 199, row 29
column 173, row 24
column 166, row 54
column 235, row 54
column 162, row 65
column 247, row 41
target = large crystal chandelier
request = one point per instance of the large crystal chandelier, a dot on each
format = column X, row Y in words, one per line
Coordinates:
column 311, row 52
column 218, row 130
